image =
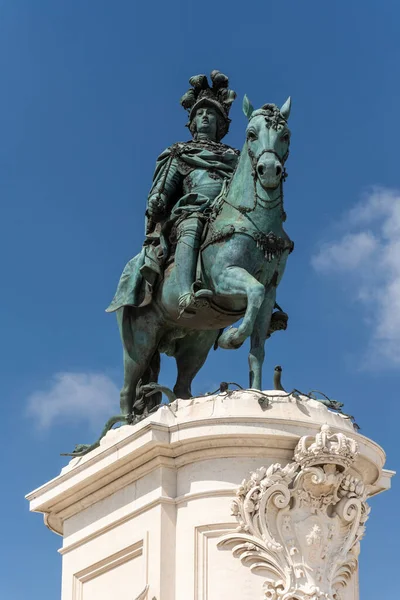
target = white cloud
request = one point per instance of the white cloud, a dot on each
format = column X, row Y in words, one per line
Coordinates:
column 92, row 397
column 346, row 254
column 377, row 203
column 367, row 253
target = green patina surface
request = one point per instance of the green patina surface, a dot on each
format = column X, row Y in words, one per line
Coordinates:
column 214, row 253
column 215, row 248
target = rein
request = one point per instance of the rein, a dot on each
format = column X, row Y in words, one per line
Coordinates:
column 268, row 204
column 269, row 242
column 254, row 159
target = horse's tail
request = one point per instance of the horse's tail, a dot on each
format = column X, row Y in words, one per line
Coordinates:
column 153, row 370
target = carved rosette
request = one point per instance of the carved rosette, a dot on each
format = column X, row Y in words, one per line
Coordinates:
column 301, row 524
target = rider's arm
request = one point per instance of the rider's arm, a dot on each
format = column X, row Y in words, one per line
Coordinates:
column 165, row 190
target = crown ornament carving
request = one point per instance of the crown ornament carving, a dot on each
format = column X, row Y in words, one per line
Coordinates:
column 326, row 447
column 301, row 524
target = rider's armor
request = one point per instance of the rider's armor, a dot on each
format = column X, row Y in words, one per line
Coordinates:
column 184, row 193
column 203, row 182
column 180, row 179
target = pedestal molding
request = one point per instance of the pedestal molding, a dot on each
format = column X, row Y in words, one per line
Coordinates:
column 202, row 429
column 108, row 563
column 117, row 523
column 202, row 534
column 216, row 493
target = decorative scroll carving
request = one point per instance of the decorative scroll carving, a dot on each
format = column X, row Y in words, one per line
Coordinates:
column 301, row 524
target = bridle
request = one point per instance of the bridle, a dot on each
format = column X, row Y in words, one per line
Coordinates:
column 259, row 237
column 254, row 159
column 273, row 120
column 275, row 202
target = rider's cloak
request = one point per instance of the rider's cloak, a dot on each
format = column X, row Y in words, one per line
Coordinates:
column 140, row 274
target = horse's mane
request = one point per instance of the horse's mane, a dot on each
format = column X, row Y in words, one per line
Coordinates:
column 273, row 116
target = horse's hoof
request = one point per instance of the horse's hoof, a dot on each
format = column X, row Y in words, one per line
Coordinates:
column 228, row 340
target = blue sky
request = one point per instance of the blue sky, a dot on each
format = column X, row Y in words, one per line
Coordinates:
column 89, row 97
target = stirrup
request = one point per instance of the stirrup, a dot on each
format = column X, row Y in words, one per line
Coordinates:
column 185, row 302
column 189, row 302
column 203, row 294
column 279, row 320
column 200, row 292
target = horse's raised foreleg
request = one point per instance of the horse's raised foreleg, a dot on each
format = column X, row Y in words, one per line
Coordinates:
column 236, row 281
column 191, row 353
column 258, row 337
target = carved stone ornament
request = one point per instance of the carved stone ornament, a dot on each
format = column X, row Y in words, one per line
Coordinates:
column 301, row 524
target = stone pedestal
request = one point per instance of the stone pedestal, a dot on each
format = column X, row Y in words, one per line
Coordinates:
column 149, row 513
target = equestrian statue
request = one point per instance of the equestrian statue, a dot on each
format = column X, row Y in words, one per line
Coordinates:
column 215, row 248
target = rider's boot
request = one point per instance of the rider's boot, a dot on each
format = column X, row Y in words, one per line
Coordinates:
column 186, row 253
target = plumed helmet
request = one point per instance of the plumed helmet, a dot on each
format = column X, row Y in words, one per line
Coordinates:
column 217, row 95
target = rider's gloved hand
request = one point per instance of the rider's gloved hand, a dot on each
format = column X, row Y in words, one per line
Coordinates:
column 156, row 208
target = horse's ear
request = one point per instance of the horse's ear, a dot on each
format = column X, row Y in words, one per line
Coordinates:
column 248, row 108
column 285, row 109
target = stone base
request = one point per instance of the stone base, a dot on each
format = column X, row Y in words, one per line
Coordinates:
column 142, row 515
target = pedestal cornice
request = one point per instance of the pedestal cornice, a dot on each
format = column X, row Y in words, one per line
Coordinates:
column 209, row 427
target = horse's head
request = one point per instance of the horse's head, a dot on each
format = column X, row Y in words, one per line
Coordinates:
column 268, row 139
